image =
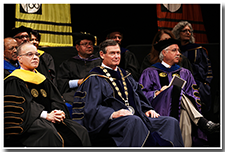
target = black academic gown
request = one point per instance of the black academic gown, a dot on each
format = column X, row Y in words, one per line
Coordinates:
column 47, row 66
column 96, row 99
column 130, row 63
column 74, row 68
column 26, row 95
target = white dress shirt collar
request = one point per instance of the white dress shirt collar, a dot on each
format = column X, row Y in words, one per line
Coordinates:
column 165, row 64
column 108, row 67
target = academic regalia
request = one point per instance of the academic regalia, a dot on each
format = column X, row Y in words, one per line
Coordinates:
column 74, row 68
column 155, row 77
column 202, row 71
column 26, row 95
column 47, row 66
column 9, row 68
column 185, row 63
column 130, row 63
column 97, row 98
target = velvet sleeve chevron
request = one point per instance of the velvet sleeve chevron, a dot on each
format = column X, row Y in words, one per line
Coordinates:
column 19, row 109
column 12, row 111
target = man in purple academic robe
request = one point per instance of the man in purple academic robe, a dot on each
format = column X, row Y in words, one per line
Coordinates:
column 183, row 102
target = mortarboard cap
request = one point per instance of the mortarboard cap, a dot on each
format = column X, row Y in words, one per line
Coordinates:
column 77, row 37
column 20, row 29
column 165, row 43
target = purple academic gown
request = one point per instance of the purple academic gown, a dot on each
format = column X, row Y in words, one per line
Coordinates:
column 151, row 80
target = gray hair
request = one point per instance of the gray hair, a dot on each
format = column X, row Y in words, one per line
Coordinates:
column 161, row 54
column 177, row 29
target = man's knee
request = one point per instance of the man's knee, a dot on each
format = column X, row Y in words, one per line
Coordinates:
column 133, row 119
column 169, row 119
column 47, row 128
column 42, row 133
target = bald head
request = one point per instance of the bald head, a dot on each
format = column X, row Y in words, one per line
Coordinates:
column 8, row 41
column 10, row 50
column 21, row 47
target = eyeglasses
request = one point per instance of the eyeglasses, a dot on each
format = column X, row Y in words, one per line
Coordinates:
column 86, row 44
column 21, row 36
column 186, row 30
column 30, row 54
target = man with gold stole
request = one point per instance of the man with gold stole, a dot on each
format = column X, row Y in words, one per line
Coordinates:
column 35, row 114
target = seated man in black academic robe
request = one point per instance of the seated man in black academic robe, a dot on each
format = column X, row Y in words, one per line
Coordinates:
column 34, row 111
column 110, row 102
column 72, row 71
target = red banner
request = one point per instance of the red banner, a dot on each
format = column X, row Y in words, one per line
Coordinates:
column 168, row 15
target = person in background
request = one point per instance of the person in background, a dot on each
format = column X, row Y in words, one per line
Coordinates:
column 72, row 71
column 20, row 34
column 152, row 57
column 46, row 64
column 128, row 60
column 10, row 56
column 201, row 65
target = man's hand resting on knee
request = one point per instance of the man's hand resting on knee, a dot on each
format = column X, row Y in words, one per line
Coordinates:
column 121, row 113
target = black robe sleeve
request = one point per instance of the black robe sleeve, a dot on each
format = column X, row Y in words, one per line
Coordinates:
column 18, row 104
column 64, row 76
column 22, row 107
column 57, row 101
